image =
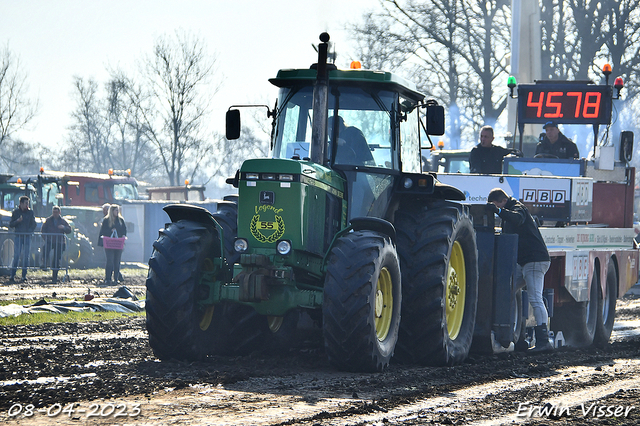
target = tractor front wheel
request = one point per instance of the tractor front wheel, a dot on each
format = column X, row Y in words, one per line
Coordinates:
column 362, row 300
column 439, row 262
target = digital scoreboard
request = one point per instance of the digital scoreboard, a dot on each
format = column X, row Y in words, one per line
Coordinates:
column 565, row 103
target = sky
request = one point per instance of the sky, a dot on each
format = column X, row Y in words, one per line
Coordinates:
column 56, row 40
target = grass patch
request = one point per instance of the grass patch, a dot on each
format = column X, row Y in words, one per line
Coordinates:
column 46, row 317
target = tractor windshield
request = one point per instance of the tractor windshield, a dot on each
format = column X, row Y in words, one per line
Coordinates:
column 359, row 119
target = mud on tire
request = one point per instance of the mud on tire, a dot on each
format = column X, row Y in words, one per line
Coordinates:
column 439, row 263
column 362, row 299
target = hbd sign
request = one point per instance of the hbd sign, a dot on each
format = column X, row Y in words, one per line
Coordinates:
column 544, row 196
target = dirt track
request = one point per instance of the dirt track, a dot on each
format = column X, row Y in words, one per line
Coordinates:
column 108, row 369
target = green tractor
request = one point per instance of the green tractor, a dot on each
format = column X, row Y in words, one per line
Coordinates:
column 339, row 226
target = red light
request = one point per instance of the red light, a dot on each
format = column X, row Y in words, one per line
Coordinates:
column 618, row 83
column 355, row 65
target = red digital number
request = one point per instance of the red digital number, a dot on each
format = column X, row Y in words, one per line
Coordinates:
column 537, row 104
column 556, row 105
column 591, row 105
column 578, row 96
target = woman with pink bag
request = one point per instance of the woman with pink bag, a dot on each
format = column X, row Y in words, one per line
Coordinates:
column 112, row 236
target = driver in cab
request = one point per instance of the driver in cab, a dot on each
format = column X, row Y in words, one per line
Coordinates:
column 352, row 146
column 554, row 144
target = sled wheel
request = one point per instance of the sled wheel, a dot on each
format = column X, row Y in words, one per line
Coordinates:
column 439, row 263
column 518, row 321
column 607, row 307
column 362, row 299
column 577, row 321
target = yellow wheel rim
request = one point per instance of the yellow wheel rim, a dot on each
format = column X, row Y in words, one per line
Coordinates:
column 205, row 322
column 383, row 304
column 275, row 323
column 456, row 291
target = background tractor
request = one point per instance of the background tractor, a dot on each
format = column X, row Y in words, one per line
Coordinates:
column 340, row 227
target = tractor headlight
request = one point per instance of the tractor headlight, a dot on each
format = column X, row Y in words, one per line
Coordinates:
column 284, row 247
column 240, row 245
column 408, row 183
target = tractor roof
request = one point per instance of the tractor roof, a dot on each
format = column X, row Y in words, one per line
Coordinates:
column 383, row 79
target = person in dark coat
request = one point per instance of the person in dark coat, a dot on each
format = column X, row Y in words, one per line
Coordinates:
column 112, row 225
column 486, row 158
column 23, row 221
column 533, row 256
column 556, row 144
column 53, row 232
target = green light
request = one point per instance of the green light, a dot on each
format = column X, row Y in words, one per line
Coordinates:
column 511, row 82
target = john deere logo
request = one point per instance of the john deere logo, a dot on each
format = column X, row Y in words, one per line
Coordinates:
column 267, row 225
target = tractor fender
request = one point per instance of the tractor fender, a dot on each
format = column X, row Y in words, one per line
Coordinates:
column 374, row 224
column 178, row 212
column 447, row 192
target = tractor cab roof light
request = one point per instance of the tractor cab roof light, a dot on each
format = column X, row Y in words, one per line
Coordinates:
column 287, row 178
column 253, row 176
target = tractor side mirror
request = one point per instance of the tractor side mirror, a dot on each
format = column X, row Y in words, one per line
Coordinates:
column 435, row 120
column 233, row 124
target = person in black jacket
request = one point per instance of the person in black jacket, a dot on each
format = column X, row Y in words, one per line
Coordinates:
column 53, row 232
column 485, row 157
column 112, row 225
column 533, row 256
column 24, row 222
column 556, row 144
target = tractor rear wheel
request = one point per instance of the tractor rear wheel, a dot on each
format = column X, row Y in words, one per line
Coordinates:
column 362, row 300
column 174, row 318
column 607, row 307
column 439, row 262
column 84, row 256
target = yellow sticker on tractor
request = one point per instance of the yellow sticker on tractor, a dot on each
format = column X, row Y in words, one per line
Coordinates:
column 267, row 226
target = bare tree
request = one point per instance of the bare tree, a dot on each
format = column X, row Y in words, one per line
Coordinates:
column 231, row 154
column 16, row 108
column 177, row 76
column 88, row 148
column 454, row 49
column 130, row 147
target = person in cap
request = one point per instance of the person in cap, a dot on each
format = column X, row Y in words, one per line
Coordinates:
column 556, row 144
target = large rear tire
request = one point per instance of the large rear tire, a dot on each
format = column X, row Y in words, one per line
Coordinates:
column 439, row 262
column 577, row 321
column 607, row 307
column 83, row 256
column 362, row 300
column 181, row 255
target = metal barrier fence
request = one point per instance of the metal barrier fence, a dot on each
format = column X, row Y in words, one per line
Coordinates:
column 44, row 251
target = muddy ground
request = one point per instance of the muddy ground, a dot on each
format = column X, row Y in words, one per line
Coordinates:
column 105, row 373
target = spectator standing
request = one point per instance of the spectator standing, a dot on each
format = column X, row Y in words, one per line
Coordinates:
column 556, row 144
column 24, row 222
column 533, row 256
column 53, row 232
column 112, row 225
column 486, row 158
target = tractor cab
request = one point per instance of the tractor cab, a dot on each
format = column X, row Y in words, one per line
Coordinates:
column 371, row 130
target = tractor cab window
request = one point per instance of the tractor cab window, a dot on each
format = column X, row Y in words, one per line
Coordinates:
column 51, row 194
column 359, row 119
column 125, row 191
